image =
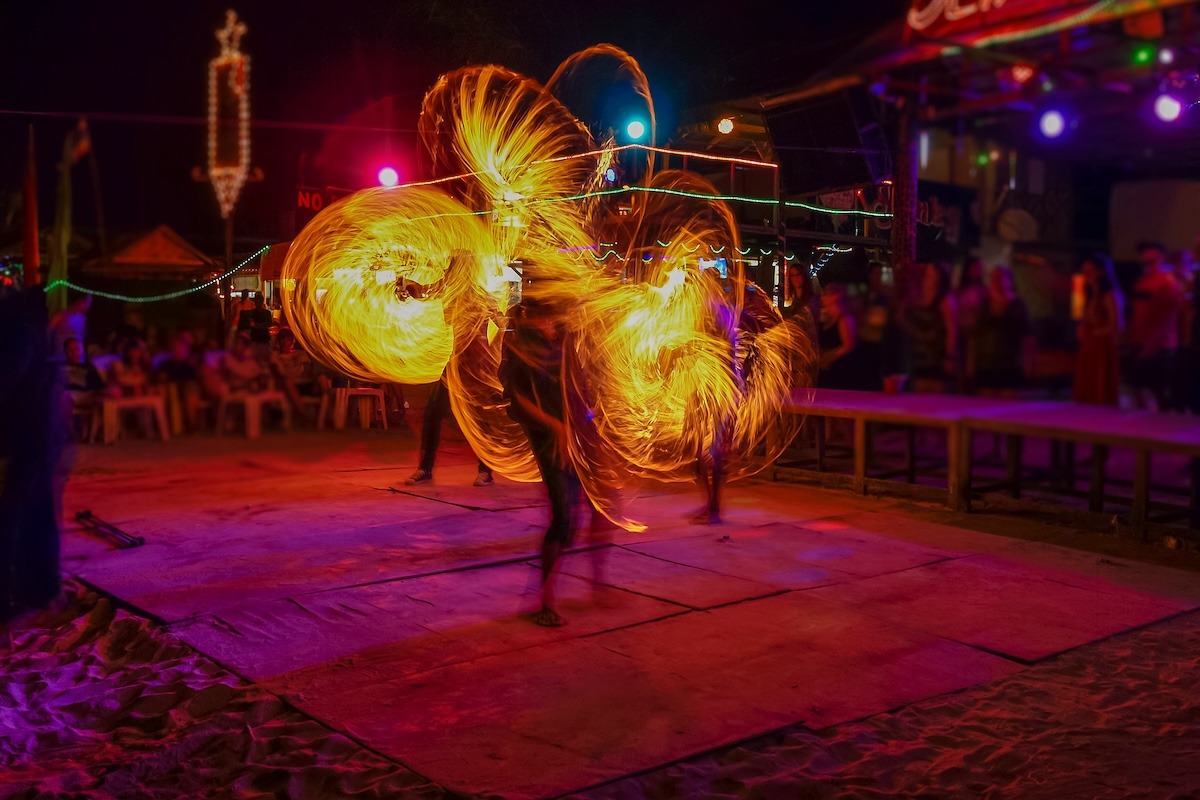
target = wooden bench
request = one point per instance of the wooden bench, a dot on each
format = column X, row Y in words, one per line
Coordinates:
column 111, row 408
column 911, row 411
column 1144, row 433
column 1103, row 428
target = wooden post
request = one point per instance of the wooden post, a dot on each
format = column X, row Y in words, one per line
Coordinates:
column 1141, row 492
column 904, row 197
column 860, row 454
column 227, row 281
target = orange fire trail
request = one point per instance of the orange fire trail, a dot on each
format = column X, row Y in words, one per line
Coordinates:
column 659, row 361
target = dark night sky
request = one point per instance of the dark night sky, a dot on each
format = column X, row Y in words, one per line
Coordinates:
column 325, row 62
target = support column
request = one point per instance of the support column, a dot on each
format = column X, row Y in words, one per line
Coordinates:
column 904, row 196
column 227, row 281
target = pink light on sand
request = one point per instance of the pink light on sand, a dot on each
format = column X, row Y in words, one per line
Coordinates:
column 388, row 177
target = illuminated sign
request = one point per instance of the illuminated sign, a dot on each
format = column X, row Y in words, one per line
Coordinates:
column 920, row 18
column 229, row 116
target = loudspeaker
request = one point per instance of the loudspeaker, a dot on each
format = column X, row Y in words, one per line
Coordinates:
column 830, row 142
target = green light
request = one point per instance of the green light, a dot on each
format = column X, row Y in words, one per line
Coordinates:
column 155, row 297
column 1047, row 85
column 982, row 159
column 1144, row 54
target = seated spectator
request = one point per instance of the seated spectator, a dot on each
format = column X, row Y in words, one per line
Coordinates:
column 83, row 379
column 294, row 369
column 84, row 385
column 180, row 375
column 241, row 370
column 129, row 376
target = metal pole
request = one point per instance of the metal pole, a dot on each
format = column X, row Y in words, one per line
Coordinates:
column 227, row 281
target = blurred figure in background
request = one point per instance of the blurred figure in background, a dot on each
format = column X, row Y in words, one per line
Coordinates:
column 33, row 441
column 1153, row 334
column 1184, row 270
column 70, row 323
column 874, row 328
column 241, row 370
column 1003, row 343
column 837, row 340
column 1097, row 365
column 129, row 376
column 179, row 374
column 970, row 296
column 294, row 370
column 931, row 323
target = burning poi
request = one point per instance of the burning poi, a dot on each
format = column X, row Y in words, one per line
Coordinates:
column 661, row 364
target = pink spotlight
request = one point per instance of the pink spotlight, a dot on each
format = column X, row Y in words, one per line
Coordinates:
column 388, row 177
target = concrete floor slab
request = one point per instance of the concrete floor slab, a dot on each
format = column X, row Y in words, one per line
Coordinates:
column 788, row 555
column 224, row 563
column 560, row 717
column 1000, row 605
column 654, row 577
column 312, row 642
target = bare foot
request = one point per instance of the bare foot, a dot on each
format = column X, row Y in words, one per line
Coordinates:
column 548, row 618
column 706, row 518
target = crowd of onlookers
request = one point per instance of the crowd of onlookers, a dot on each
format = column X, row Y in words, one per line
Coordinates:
column 968, row 330
column 949, row 330
column 192, row 369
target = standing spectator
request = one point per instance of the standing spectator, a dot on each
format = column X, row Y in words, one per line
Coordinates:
column 932, row 326
column 70, row 323
column 837, row 341
column 241, row 317
column 1184, row 270
column 260, row 326
column 1097, row 366
column 33, row 447
column 1193, row 369
column 1153, row 334
column 1002, row 338
column 970, row 296
column 874, row 329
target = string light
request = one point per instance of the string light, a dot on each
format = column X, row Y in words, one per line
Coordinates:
column 228, row 177
column 156, row 297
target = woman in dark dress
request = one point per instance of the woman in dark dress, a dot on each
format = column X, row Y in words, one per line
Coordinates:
column 1097, row 365
column 838, row 342
column 932, row 326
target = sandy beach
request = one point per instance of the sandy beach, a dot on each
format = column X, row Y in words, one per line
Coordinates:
column 1119, row 719
column 97, row 702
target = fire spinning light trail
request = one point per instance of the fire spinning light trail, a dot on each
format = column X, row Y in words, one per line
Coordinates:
column 402, row 284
